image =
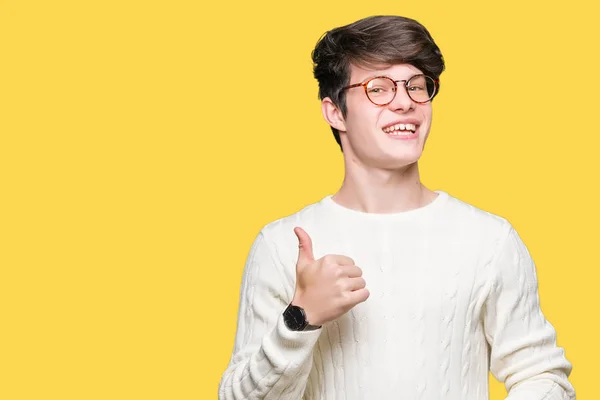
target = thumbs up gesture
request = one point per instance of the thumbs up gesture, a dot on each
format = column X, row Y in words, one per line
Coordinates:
column 328, row 287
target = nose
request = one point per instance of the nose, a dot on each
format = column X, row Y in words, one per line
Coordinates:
column 402, row 102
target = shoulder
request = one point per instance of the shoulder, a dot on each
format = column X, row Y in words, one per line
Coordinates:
column 490, row 238
column 280, row 232
column 461, row 213
column 465, row 223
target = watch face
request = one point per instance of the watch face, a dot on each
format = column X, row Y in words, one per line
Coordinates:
column 294, row 318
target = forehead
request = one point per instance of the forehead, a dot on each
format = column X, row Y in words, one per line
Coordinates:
column 397, row 72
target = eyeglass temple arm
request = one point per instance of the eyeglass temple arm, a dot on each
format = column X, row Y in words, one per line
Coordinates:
column 353, row 86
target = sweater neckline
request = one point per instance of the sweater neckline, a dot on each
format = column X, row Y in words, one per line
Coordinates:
column 415, row 212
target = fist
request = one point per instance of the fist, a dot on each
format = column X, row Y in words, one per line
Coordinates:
column 328, row 287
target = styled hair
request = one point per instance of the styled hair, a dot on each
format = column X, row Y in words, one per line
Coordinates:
column 369, row 43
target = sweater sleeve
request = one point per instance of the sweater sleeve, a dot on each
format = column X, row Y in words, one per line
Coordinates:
column 269, row 361
column 524, row 355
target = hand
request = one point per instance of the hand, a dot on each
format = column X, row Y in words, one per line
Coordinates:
column 328, row 287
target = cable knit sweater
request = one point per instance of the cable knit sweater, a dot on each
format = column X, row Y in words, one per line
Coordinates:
column 453, row 296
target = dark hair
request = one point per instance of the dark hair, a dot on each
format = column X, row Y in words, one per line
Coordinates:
column 370, row 42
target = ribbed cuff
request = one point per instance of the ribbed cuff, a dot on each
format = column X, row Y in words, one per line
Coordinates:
column 284, row 346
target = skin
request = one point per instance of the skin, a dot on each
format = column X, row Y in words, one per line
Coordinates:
column 381, row 173
column 381, row 176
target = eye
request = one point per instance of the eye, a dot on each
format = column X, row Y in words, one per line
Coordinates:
column 377, row 90
column 415, row 88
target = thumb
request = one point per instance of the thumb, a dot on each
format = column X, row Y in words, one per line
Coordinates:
column 305, row 250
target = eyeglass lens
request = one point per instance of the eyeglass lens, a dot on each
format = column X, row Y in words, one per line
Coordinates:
column 383, row 90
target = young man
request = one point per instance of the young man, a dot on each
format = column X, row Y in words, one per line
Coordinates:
column 387, row 289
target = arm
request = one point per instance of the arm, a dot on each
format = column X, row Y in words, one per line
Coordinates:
column 269, row 361
column 524, row 355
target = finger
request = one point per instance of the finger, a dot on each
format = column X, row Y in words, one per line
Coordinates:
column 358, row 296
column 305, row 250
column 351, row 271
column 342, row 260
column 356, row 283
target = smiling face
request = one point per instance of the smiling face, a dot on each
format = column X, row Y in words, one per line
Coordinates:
column 386, row 137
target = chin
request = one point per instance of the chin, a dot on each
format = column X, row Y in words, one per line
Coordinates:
column 395, row 163
column 384, row 156
column 401, row 160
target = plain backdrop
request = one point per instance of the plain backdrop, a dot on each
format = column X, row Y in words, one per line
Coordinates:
column 143, row 144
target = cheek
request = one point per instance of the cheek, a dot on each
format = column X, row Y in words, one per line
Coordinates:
column 361, row 118
column 426, row 116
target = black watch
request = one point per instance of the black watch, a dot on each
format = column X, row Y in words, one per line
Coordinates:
column 295, row 319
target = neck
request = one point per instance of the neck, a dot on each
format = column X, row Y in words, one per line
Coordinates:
column 375, row 190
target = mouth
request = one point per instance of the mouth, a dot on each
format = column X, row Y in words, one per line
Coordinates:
column 401, row 131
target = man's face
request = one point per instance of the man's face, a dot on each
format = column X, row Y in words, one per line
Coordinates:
column 373, row 133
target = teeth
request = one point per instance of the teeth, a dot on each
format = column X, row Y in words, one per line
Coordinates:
column 400, row 127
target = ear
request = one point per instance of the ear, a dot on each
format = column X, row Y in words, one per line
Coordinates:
column 333, row 115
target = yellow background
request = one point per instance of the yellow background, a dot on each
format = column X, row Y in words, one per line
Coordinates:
column 145, row 143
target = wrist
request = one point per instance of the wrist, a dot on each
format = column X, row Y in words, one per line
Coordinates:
column 296, row 319
column 299, row 300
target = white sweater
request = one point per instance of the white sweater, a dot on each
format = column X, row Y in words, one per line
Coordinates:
column 453, row 296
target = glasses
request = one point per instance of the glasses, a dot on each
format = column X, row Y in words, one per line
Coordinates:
column 381, row 90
